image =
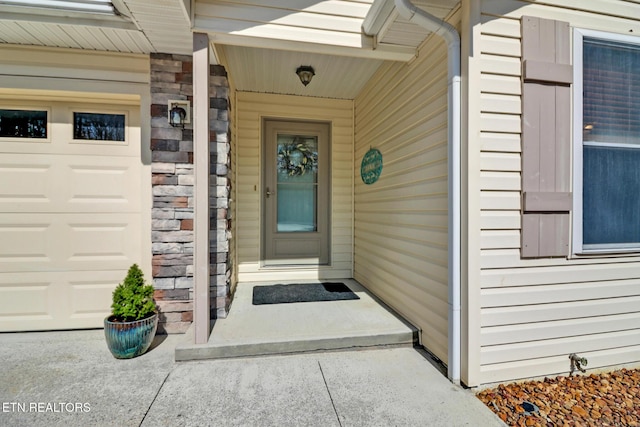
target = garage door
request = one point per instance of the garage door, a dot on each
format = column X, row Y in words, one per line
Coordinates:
column 70, row 210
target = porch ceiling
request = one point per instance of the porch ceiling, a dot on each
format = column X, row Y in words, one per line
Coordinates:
column 263, row 42
column 273, row 71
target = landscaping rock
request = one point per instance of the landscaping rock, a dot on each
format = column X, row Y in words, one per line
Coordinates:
column 608, row 399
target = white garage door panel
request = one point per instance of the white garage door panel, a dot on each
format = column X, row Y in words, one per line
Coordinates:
column 24, row 183
column 56, row 300
column 99, row 242
column 102, row 184
column 88, row 148
column 25, row 299
column 25, row 242
column 91, row 299
column 52, row 183
column 67, row 242
column 71, row 218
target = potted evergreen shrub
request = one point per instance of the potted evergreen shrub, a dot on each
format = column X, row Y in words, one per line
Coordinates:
column 132, row 324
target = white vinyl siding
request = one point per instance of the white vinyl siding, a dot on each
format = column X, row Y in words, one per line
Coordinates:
column 535, row 312
column 251, row 109
column 32, row 67
column 401, row 220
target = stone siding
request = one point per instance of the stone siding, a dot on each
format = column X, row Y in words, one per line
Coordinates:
column 219, row 192
column 172, row 181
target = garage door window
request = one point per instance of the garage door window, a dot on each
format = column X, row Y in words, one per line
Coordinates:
column 23, row 124
column 98, row 126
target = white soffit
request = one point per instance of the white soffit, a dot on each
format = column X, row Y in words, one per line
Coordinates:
column 132, row 26
column 79, row 12
column 73, row 36
column 273, row 71
column 166, row 24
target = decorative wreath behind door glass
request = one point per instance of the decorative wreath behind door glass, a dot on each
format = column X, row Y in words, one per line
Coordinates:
column 297, row 189
column 297, row 155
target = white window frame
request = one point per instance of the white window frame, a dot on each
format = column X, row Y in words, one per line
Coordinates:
column 578, row 124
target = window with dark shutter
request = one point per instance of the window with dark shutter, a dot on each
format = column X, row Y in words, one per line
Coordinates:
column 546, row 137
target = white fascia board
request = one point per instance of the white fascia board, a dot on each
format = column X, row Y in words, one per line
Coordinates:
column 83, row 6
column 377, row 17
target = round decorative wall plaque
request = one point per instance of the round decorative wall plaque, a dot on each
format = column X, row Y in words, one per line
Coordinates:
column 371, row 166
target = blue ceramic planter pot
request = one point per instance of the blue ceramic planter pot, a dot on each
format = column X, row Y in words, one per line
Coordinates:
column 129, row 339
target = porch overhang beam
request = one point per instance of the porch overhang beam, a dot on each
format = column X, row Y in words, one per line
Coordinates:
column 365, row 49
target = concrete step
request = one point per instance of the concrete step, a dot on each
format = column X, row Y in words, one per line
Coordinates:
column 254, row 330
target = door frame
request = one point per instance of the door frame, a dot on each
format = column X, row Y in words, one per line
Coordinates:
column 277, row 125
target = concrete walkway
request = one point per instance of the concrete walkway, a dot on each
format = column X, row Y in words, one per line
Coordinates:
column 71, row 379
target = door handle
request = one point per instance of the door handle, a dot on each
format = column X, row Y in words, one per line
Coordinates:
column 268, row 192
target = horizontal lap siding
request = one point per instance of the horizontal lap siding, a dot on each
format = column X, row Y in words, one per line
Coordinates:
column 534, row 313
column 251, row 108
column 401, row 220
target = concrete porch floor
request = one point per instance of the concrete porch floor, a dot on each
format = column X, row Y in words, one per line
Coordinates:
column 253, row 330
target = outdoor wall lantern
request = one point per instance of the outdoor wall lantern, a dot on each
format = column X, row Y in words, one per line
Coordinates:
column 306, row 73
column 179, row 113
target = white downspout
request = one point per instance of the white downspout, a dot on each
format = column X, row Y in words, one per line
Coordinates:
column 450, row 34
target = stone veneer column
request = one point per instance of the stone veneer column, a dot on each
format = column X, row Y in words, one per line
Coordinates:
column 220, row 149
column 172, row 182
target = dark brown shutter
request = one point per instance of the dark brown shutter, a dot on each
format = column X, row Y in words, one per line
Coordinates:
column 546, row 132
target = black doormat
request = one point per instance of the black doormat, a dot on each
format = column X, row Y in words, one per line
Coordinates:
column 302, row 292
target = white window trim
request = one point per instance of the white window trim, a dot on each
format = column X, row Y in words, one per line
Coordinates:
column 577, row 242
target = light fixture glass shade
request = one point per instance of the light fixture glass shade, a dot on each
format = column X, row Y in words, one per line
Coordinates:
column 306, row 73
column 177, row 116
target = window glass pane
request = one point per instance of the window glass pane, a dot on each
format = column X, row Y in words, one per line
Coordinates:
column 611, row 100
column 23, row 124
column 611, row 195
column 297, row 190
column 98, row 127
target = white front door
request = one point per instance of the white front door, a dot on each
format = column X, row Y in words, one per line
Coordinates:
column 296, row 202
